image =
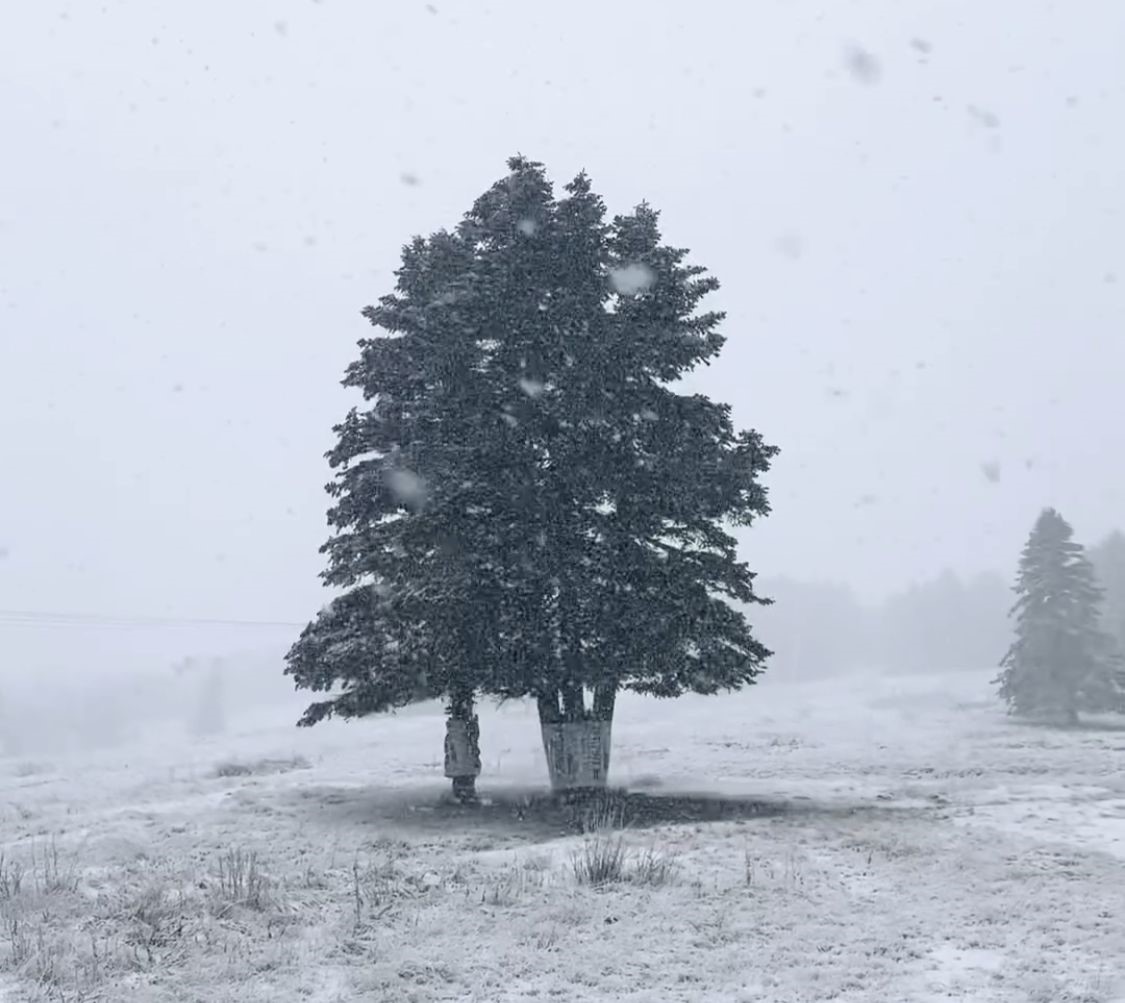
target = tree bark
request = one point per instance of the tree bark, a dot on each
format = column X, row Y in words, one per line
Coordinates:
column 576, row 741
column 462, row 746
column 605, row 699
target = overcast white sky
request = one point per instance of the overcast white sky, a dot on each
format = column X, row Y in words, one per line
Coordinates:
column 923, row 264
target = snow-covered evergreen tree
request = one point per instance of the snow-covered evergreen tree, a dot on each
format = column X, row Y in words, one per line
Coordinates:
column 627, row 576
column 527, row 507
column 1061, row 663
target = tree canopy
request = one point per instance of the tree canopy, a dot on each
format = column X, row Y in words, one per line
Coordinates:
column 526, row 505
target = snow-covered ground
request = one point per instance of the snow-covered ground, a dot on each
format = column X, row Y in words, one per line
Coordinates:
column 864, row 838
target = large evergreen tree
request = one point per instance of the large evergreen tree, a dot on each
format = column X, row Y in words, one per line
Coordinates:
column 1060, row 663
column 565, row 531
column 626, row 575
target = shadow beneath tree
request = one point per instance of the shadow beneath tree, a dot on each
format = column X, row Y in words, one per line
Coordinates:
column 527, row 816
column 1106, row 723
column 1095, row 724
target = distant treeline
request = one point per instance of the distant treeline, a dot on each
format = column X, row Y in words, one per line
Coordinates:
column 944, row 623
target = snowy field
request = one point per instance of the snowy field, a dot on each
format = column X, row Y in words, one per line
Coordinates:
column 877, row 839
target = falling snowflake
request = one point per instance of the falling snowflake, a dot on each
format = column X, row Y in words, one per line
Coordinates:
column 527, row 227
column 863, row 66
column 533, row 388
column 409, row 178
column 991, row 470
column 632, row 279
column 407, row 487
column 984, row 117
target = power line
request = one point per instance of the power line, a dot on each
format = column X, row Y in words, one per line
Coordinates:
column 54, row 618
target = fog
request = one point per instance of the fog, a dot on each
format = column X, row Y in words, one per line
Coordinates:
column 819, row 630
column 915, row 211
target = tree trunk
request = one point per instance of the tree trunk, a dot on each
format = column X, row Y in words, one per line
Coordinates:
column 462, row 747
column 577, row 742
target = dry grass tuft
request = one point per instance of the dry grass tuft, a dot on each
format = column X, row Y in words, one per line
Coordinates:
column 600, row 860
column 241, row 882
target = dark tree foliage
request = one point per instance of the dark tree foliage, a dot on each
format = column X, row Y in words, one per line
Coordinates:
column 364, row 642
column 526, row 506
column 1060, row 663
column 624, row 485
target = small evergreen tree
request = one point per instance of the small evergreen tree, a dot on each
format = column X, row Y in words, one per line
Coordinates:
column 1060, row 663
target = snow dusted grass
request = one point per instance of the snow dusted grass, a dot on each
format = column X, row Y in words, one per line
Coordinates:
column 244, row 768
column 865, row 839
